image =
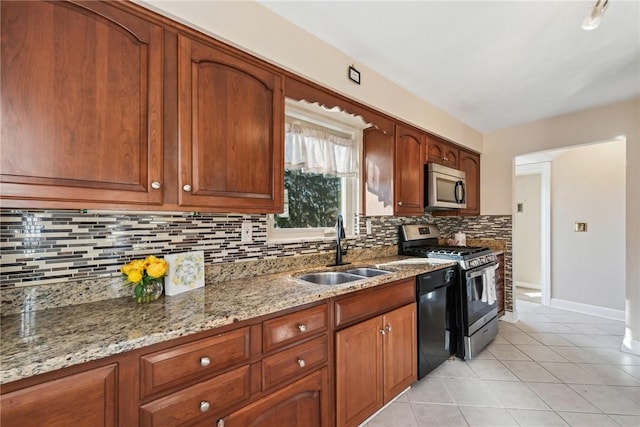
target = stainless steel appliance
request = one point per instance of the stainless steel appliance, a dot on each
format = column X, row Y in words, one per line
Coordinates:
column 475, row 301
column 445, row 188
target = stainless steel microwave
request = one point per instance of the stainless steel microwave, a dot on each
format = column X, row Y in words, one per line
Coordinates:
column 445, row 187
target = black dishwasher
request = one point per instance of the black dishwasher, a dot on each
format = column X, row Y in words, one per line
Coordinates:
column 436, row 294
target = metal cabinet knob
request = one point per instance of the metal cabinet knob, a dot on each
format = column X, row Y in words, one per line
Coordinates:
column 388, row 328
column 205, row 361
column 302, row 363
column 220, row 423
column 204, row 406
column 382, row 332
column 302, row 327
column 186, row 187
column 155, row 185
column 399, row 203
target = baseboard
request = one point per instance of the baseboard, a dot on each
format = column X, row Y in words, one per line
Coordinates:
column 364, row 423
column 594, row 310
column 629, row 345
column 510, row 316
column 528, row 285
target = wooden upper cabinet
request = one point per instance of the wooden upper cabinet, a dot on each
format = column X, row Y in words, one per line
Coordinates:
column 81, row 101
column 231, row 131
column 378, row 149
column 442, row 153
column 409, row 172
column 470, row 163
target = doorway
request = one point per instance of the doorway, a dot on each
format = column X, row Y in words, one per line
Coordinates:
column 532, row 230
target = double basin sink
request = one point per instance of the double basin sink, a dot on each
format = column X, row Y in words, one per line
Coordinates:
column 339, row 277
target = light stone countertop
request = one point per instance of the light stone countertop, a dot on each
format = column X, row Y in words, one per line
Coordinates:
column 42, row 341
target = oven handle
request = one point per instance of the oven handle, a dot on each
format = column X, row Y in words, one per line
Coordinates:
column 481, row 271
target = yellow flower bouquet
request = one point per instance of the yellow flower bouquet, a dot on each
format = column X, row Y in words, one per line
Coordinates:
column 146, row 276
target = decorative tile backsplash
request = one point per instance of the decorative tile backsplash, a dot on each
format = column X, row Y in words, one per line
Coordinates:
column 45, row 246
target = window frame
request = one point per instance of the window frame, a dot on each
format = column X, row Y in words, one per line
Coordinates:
column 351, row 186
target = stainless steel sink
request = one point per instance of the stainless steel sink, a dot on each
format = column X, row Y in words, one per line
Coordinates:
column 338, row 277
column 330, row 277
column 367, row 271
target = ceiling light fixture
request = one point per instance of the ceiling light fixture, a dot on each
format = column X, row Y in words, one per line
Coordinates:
column 592, row 20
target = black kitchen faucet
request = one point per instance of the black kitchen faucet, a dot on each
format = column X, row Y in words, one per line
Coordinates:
column 340, row 235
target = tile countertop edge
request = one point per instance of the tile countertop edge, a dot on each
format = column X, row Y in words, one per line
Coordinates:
column 44, row 341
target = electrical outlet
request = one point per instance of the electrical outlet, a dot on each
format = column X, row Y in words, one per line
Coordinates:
column 368, row 226
column 246, row 235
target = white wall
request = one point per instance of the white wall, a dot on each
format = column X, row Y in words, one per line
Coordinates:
column 526, row 231
column 259, row 31
column 587, row 185
column 593, row 125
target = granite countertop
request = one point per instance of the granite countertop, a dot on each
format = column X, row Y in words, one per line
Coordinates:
column 42, row 341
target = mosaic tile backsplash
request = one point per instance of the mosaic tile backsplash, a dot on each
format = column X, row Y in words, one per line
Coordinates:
column 42, row 247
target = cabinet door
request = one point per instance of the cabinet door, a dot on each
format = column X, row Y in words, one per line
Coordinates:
column 442, row 153
column 409, row 172
column 81, row 105
column 303, row 403
column 84, row 399
column 470, row 163
column 378, row 150
column 358, row 372
column 231, row 126
column 400, row 350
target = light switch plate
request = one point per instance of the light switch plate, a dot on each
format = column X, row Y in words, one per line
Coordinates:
column 246, row 235
column 368, row 223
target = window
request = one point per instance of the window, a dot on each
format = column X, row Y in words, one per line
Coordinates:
column 322, row 158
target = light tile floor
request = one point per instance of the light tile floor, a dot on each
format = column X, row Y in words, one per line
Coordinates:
column 551, row 368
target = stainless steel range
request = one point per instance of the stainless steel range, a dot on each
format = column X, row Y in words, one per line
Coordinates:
column 475, row 306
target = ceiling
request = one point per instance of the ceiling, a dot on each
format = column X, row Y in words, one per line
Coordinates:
column 490, row 64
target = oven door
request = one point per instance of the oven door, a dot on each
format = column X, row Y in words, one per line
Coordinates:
column 481, row 303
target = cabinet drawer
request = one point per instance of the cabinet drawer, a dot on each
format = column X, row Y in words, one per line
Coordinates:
column 293, row 362
column 207, row 399
column 287, row 329
column 363, row 306
column 167, row 368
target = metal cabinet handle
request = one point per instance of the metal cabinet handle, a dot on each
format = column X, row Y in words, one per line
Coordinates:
column 302, row 363
column 205, row 361
column 155, row 185
column 382, row 331
column 186, row 187
column 302, row 327
column 388, row 328
column 399, row 203
column 204, row 406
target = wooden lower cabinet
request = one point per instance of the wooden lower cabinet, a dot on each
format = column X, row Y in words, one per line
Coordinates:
column 303, row 403
column 375, row 360
column 84, row 399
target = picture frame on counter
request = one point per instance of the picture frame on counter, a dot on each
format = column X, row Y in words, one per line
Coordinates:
column 186, row 272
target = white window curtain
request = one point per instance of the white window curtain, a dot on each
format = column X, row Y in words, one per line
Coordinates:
column 317, row 151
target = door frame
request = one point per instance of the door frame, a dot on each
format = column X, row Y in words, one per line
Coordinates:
column 544, row 170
